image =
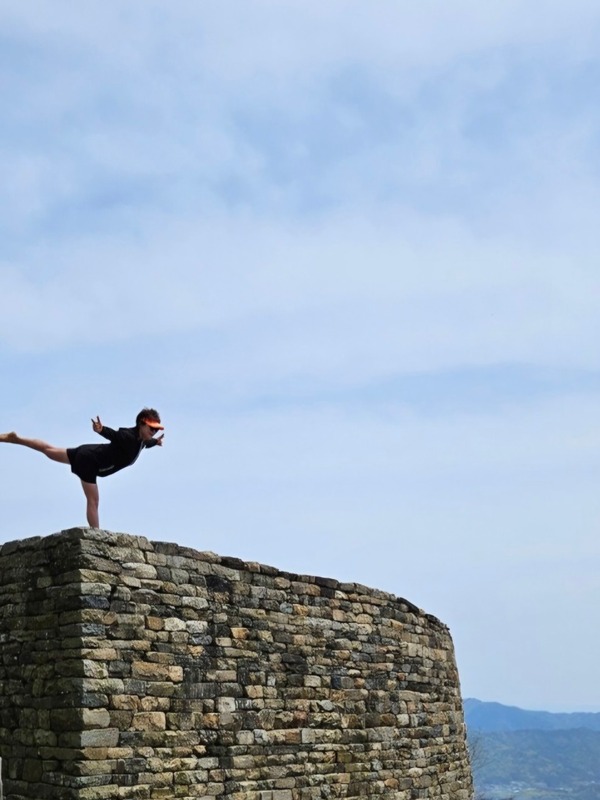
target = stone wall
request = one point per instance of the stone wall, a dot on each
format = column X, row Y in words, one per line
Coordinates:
column 137, row 669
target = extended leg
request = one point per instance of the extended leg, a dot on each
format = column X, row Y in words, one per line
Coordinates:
column 55, row 453
column 92, row 497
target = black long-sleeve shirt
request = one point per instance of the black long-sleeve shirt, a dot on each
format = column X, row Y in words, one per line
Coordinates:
column 124, row 448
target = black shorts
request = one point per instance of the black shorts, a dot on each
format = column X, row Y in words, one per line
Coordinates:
column 82, row 463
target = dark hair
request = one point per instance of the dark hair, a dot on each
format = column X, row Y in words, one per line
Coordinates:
column 147, row 413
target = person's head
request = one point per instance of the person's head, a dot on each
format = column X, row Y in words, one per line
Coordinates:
column 148, row 423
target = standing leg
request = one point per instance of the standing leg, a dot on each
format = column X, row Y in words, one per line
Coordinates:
column 54, row 453
column 92, row 497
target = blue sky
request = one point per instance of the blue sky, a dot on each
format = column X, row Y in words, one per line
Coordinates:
column 349, row 252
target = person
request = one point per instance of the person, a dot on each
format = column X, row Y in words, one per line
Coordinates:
column 92, row 461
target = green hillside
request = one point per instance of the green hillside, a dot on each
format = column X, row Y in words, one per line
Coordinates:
column 537, row 764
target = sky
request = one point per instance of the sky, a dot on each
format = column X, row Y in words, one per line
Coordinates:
column 349, row 252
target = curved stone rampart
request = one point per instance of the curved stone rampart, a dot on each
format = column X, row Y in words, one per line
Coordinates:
column 138, row 669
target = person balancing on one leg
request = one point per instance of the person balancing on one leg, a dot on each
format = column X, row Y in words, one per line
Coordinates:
column 91, row 461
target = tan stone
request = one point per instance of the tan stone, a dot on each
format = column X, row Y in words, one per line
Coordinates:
column 125, row 702
column 149, row 721
column 95, row 718
column 174, row 624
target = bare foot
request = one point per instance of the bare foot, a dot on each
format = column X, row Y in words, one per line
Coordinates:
column 8, row 437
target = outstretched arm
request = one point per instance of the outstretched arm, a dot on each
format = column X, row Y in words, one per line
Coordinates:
column 154, row 442
column 103, row 430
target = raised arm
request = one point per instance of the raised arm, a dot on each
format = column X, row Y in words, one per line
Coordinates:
column 103, row 430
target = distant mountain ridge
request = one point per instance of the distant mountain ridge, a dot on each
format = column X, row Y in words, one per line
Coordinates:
column 568, row 760
column 537, row 755
column 495, row 717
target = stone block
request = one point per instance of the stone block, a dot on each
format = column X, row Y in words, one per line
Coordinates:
column 95, row 718
column 226, row 704
column 149, row 721
column 101, row 737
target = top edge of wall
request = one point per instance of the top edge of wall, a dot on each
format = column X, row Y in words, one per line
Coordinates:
column 141, row 543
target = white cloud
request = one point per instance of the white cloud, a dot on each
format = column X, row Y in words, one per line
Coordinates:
column 300, row 32
column 155, row 102
column 349, row 299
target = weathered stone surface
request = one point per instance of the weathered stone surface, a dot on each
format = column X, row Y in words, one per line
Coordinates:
column 143, row 670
